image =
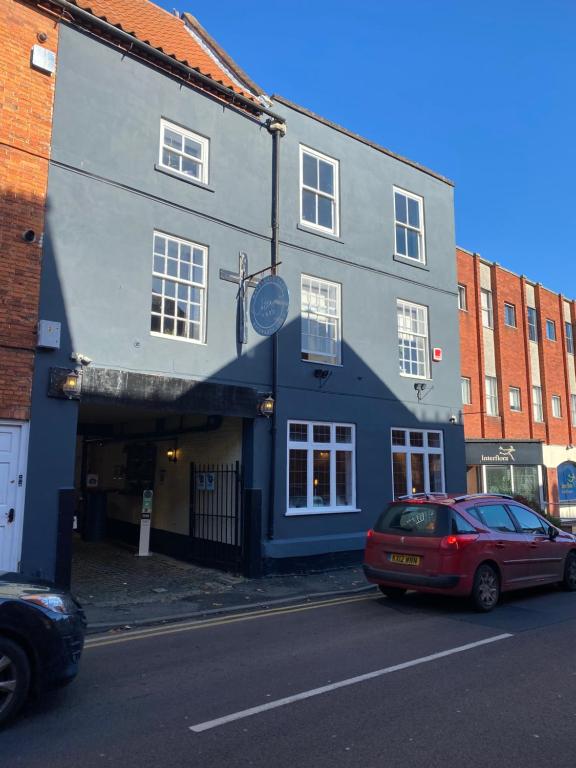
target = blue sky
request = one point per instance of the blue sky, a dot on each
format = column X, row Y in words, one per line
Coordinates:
column 480, row 92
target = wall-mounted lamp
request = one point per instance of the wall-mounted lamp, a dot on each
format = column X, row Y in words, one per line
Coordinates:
column 420, row 388
column 321, row 373
column 72, row 385
column 172, row 453
column 266, row 406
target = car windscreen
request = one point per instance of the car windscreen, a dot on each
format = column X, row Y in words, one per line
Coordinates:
column 408, row 519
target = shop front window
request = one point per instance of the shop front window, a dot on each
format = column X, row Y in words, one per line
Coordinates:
column 499, row 480
column 527, row 483
column 514, row 481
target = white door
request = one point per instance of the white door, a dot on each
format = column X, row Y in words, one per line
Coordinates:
column 12, row 461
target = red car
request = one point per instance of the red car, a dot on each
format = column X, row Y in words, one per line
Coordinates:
column 475, row 545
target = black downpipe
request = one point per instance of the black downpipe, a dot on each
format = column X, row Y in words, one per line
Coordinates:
column 277, row 130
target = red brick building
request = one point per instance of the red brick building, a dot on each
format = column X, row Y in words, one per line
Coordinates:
column 518, row 385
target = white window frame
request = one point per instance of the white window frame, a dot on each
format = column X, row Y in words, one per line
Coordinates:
column 422, row 319
column 532, row 327
column 569, row 333
column 508, row 306
column 420, row 230
column 556, row 406
column 487, row 308
column 409, row 449
column 319, row 314
column 462, row 298
column 466, row 387
column 179, row 281
column 491, row 385
column 186, row 134
column 516, row 391
column 551, row 324
column 573, row 409
column 335, row 197
column 310, row 446
column 537, row 404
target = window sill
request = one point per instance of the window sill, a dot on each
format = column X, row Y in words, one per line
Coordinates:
column 177, row 338
column 183, row 178
column 413, row 377
column 319, row 364
column 411, row 262
column 320, row 233
column 322, row 511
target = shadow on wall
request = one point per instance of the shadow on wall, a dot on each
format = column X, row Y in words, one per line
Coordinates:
column 355, row 393
column 21, row 218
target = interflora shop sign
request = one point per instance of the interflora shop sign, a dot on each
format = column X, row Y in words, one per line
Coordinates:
column 504, row 453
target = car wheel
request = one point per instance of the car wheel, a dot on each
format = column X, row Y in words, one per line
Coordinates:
column 486, row 589
column 569, row 581
column 393, row 593
column 14, row 678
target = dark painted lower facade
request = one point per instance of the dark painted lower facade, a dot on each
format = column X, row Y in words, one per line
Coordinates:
column 204, row 451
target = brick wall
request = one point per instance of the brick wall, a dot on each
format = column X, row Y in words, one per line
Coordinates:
column 552, row 367
column 26, row 98
column 511, row 358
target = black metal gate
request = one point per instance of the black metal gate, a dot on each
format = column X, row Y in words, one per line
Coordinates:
column 216, row 531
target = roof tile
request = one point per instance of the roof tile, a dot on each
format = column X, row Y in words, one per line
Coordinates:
column 162, row 30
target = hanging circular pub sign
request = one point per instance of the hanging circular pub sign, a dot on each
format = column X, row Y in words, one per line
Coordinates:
column 269, row 305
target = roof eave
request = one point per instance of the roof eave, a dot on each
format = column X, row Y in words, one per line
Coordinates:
column 357, row 137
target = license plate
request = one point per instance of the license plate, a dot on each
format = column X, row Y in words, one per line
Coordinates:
column 404, row 559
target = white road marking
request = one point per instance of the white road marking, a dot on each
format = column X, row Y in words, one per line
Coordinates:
column 206, row 726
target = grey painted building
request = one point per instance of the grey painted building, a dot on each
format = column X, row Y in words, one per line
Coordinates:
column 154, row 189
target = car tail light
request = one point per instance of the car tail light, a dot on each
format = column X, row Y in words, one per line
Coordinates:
column 370, row 534
column 458, row 541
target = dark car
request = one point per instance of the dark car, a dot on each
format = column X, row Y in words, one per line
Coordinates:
column 41, row 639
column 475, row 545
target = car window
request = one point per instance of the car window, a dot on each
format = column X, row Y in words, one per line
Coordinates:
column 528, row 521
column 474, row 512
column 459, row 525
column 497, row 517
column 414, row 519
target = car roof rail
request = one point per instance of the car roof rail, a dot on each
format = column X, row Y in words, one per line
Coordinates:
column 467, row 496
column 421, row 495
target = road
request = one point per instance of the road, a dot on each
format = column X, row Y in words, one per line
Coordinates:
column 421, row 683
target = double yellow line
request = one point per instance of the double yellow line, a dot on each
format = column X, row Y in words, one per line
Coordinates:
column 189, row 626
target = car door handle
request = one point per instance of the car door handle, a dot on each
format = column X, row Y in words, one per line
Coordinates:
column 11, row 515
column 500, row 545
column 534, row 545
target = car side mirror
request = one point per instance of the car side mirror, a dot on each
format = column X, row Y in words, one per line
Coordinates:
column 552, row 533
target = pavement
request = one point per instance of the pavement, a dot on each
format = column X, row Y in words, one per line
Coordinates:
column 349, row 682
column 118, row 590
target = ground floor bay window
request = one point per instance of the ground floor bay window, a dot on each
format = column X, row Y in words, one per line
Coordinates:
column 417, row 461
column 321, row 467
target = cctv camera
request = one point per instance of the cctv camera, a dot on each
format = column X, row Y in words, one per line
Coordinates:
column 29, row 236
column 78, row 357
column 453, row 419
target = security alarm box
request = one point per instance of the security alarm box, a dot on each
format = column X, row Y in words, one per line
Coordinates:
column 437, row 354
column 43, row 59
column 48, row 334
